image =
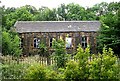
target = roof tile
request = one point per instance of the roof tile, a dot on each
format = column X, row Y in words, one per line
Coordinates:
column 56, row 26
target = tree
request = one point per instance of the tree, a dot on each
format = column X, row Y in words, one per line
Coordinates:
column 20, row 14
column 62, row 12
column 90, row 14
column 10, row 44
column 113, row 7
column 46, row 14
column 109, row 32
column 101, row 8
column 75, row 12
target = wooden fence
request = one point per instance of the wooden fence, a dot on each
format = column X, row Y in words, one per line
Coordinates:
column 31, row 59
column 35, row 59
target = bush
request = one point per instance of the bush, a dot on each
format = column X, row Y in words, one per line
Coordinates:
column 79, row 69
column 10, row 44
column 51, row 74
column 101, row 66
column 54, row 74
column 60, row 54
column 36, row 72
column 13, row 71
column 104, row 66
column 71, row 71
column 83, row 61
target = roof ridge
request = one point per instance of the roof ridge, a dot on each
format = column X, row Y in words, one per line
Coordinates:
column 58, row 21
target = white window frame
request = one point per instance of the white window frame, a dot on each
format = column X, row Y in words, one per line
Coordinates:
column 84, row 41
column 68, row 41
column 36, row 42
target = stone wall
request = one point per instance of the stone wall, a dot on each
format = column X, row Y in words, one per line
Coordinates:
column 28, row 40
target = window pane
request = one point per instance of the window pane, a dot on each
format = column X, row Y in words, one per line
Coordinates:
column 51, row 42
column 50, row 39
column 83, row 45
column 68, row 42
column 36, row 42
column 83, row 39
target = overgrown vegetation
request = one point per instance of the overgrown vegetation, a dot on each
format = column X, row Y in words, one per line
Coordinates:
column 101, row 66
column 42, row 48
column 36, row 72
column 108, row 34
column 10, row 44
column 60, row 54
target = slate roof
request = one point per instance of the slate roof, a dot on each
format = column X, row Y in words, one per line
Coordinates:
column 56, row 26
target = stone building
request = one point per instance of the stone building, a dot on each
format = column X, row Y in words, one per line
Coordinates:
column 72, row 32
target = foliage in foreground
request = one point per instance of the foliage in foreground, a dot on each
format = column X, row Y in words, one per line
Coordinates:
column 101, row 66
column 60, row 54
column 10, row 44
column 35, row 71
column 13, row 70
column 104, row 66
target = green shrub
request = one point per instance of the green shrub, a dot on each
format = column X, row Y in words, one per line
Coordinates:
column 43, row 47
column 51, row 74
column 94, row 67
column 83, row 61
column 36, row 72
column 13, row 70
column 71, row 71
column 104, row 66
column 101, row 66
column 60, row 54
column 80, row 68
column 109, row 67
column 61, row 73
column 10, row 44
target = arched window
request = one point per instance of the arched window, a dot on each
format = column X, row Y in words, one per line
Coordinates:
column 68, row 42
column 84, row 41
column 36, row 42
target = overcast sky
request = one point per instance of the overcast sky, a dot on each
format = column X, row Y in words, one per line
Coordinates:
column 51, row 3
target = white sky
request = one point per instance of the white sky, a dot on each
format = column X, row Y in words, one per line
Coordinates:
column 51, row 3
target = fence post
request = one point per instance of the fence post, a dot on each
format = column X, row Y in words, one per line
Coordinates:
column 48, row 59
